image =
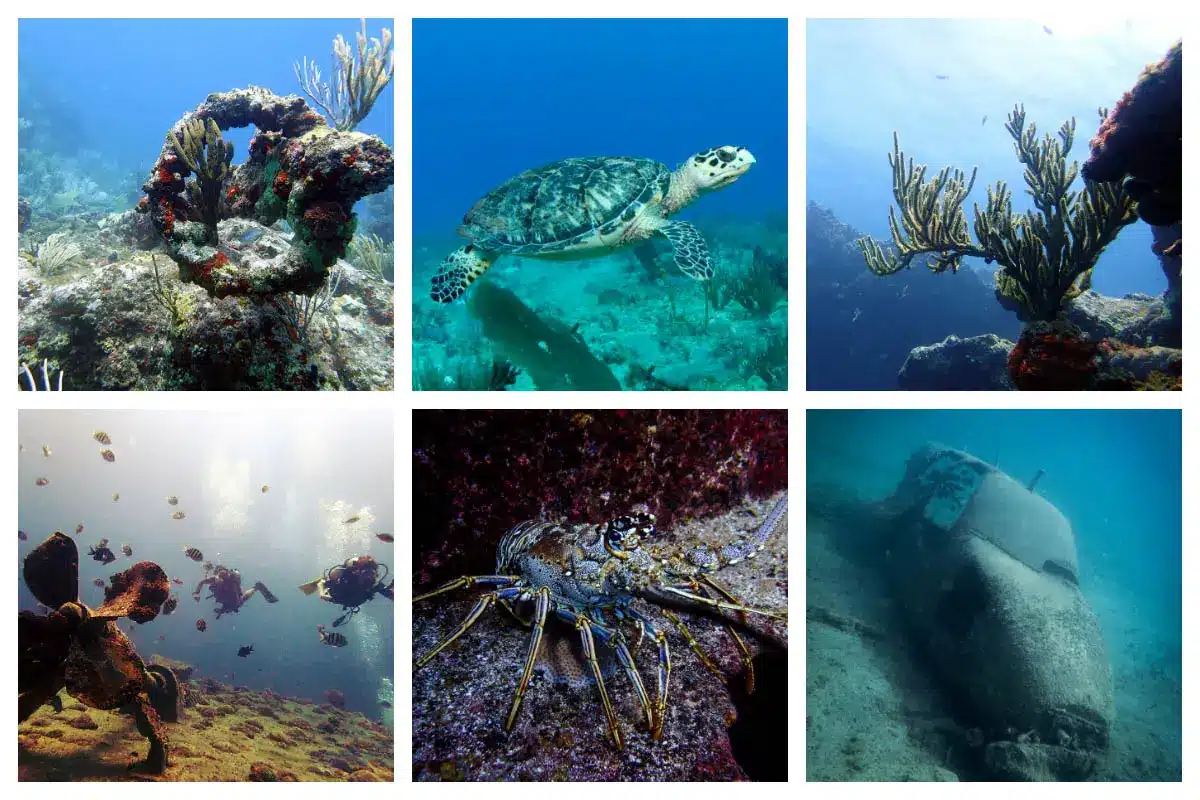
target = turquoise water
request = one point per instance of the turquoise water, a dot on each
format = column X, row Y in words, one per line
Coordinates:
column 1116, row 475
column 492, row 99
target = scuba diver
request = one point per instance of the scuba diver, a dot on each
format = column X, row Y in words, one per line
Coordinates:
column 101, row 552
column 351, row 584
column 225, row 585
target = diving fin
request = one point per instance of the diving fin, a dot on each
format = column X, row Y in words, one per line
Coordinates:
column 309, row 588
column 266, row 593
column 388, row 591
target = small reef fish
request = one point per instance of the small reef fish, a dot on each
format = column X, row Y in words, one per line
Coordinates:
column 46, row 451
column 170, row 604
column 352, row 520
column 172, row 500
column 265, row 488
column 102, row 438
column 56, row 703
column 177, row 581
column 252, row 235
column 116, row 496
column 42, row 481
column 942, row 77
column 331, row 638
column 162, row 637
column 857, row 314
column 193, row 554
column 179, row 515
column 385, row 537
column 79, row 530
column 99, row 582
column 245, row 650
column 1046, row 28
column 984, row 120
column 201, row 625
column 127, row 550
column 108, row 455
column 23, row 536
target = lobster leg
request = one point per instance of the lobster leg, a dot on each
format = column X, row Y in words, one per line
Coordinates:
column 616, row 640
column 542, row 606
column 471, row 618
column 664, row 672
column 584, row 626
column 467, row 581
column 695, row 645
column 695, row 598
column 743, row 651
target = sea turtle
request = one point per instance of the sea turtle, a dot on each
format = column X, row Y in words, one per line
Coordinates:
column 84, row 651
column 587, row 207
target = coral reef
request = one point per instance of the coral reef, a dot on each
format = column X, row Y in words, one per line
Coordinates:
column 1045, row 256
column 133, row 325
column 1142, row 138
column 480, row 473
column 298, row 168
column 224, row 733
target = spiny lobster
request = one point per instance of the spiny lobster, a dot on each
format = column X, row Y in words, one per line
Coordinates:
column 589, row 577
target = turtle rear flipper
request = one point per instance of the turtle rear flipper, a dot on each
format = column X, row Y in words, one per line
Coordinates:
column 457, row 272
column 691, row 251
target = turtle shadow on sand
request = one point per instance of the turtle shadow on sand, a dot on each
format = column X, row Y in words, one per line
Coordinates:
column 83, row 651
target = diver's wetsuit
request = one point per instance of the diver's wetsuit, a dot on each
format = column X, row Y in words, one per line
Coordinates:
column 225, row 585
column 353, row 583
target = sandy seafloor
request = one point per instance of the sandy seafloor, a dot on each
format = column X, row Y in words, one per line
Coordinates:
column 461, row 698
column 224, row 733
column 873, row 715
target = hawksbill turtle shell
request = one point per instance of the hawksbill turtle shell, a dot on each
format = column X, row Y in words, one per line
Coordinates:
column 576, row 203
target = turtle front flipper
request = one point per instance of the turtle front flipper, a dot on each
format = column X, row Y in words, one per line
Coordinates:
column 458, row 271
column 150, row 725
column 691, row 251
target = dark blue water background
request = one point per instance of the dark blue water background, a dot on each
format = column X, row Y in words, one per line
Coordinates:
column 492, row 98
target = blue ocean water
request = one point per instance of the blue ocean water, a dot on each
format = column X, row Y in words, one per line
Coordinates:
column 493, row 98
column 216, row 464
column 1115, row 475
column 103, row 119
column 947, row 88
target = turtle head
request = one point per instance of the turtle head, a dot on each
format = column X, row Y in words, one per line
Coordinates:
column 717, row 168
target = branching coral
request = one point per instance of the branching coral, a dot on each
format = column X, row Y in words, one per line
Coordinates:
column 373, row 255
column 57, row 253
column 358, row 78
column 208, row 155
column 1045, row 255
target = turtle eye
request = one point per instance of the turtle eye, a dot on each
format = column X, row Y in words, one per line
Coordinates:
column 725, row 155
